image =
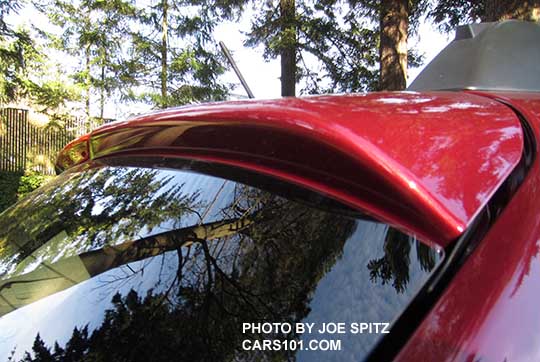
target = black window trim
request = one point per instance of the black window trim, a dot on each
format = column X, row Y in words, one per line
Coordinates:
column 457, row 253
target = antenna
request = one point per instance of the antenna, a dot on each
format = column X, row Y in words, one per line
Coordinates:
column 236, row 70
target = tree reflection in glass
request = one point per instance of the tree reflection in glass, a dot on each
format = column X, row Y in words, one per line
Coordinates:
column 181, row 260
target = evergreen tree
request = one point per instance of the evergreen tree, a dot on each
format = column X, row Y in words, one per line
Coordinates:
column 496, row 10
column 326, row 33
column 396, row 20
column 288, row 47
column 77, row 346
column 40, row 352
column 394, row 27
column 174, row 55
column 449, row 14
column 25, row 70
column 93, row 31
column 359, row 45
column 12, row 45
column 114, row 21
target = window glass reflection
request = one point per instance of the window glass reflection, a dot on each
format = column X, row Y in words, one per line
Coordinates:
column 127, row 263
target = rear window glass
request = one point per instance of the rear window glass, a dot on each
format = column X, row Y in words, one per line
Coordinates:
column 135, row 263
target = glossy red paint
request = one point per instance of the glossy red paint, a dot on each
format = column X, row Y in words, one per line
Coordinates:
column 361, row 149
column 490, row 311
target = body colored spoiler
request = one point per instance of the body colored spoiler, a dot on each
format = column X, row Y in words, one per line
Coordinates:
column 424, row 162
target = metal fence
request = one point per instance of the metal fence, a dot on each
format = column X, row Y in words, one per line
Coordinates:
column 25, row 145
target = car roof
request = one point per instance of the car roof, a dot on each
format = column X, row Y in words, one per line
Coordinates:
column 424, row 162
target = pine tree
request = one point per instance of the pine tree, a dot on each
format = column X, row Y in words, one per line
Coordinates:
column 94, row 32
column 396, row 20
column 496, row 10
column 288, row 47
column 114, row 20
column 324, row 33
column 77, row 346
column 394, row 26
column 448, row 14
column 27, row 74
column 12, row 45
column 40, row 351
column 174, row 55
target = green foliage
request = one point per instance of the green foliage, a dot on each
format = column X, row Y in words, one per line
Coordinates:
column 25, row 73
column 345, row 49
column 30, row 181
column 345, row 45
column 120, row 49
column 389, row 37
column 193, row 62
column 450, row 13
column 76, row 197
column 371, row 9
column 94, row 31
column 14, row 186
column 9, row 184
column 12, row 64
column 50, row 95
column 342, row 36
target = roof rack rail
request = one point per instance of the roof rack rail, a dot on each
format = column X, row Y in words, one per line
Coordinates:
column 487, row 56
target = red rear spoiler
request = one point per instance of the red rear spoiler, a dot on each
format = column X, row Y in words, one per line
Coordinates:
column 424, row 162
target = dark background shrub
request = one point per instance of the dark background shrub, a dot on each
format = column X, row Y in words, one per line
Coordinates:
column 15, row 185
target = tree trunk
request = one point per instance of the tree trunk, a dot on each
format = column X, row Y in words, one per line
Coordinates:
column 164, row 40
column 394, row 23
column 87, row 81
column 102, row 93
column 496, row 10
column 288, row 50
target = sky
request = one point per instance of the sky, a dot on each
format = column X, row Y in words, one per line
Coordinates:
column 261, row 76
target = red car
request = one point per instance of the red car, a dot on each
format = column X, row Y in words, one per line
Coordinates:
column 387, row 226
